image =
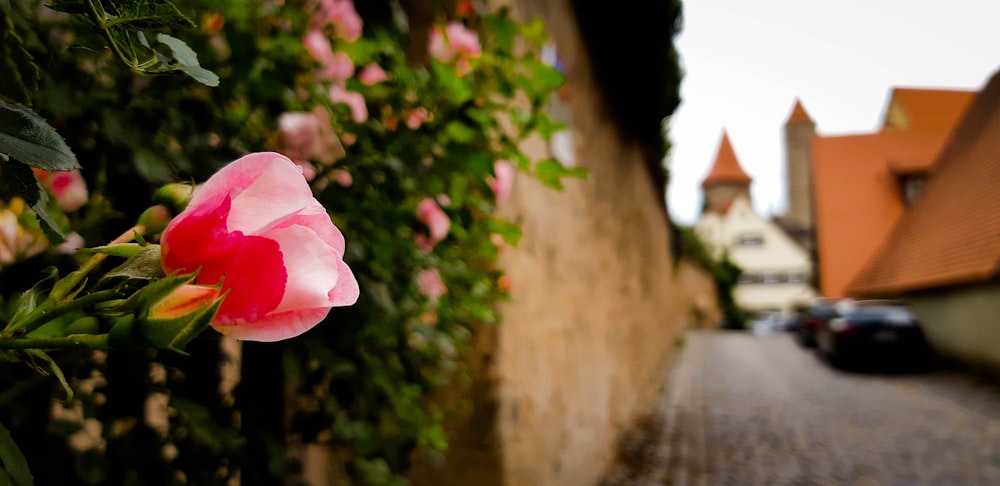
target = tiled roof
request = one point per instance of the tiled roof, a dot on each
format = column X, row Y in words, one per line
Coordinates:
column 726, row 168
column 926, row 109
column 858, row 198
column 951, row 234
column 799, row 113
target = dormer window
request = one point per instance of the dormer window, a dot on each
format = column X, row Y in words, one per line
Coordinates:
column 911, row 186
column 749, row 239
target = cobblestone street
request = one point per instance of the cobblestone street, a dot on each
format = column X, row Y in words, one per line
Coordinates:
column 759, row 410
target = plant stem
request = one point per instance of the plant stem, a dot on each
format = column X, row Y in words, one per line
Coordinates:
column 91, row 341
column 34, row 321
column 74, row 279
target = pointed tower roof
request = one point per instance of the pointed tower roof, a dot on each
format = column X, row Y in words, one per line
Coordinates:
column 726, row 169
column 799, row 113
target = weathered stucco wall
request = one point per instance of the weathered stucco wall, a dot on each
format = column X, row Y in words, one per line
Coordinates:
column 961, row 324
column 597, row 306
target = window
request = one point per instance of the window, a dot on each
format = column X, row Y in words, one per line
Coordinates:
column 796, row 277
column 911, row 186
column 772, row 277
column 750, row 239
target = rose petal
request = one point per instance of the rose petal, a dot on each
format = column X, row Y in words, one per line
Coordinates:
column 311, row 265
column 277, row 326
column 279, row 192
column 347, row 291
column 315, row 217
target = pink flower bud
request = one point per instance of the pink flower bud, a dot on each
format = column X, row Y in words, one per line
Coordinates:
column 355, row 101
column 503, row 183
column 430, row 285
column 372, row 74
column 344, row 17
column 437, row 222
column 183, row 301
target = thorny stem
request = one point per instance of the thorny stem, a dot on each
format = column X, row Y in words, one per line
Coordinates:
column 91, row 341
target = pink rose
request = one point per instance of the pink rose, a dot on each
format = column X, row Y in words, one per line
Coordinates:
column 73, row 242
column 430, row 285
column 503, row 183
column 372, row 74
column 342, row 178
column 308, row 135
column 417, row 117
column 255, row 228
column 438, row 224
column 316, row 42
column 355, row 101
column 337, row 68
column 69, row 188
column 454, row 43
column 344, row 18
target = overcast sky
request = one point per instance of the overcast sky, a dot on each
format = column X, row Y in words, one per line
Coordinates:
column 746, row 62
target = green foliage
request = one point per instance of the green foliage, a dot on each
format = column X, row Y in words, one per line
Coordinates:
column 725, row 274
column 15, row 466
column 364, row 380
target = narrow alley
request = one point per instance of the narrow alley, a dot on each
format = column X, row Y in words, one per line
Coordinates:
column 760, row 410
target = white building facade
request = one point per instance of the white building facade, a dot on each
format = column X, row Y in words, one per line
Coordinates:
column 777, row 271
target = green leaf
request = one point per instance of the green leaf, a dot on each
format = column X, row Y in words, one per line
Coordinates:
column 28, row 138
column 54, row 368
column 124, row 250
column 544, row 77
column 18, row 179
column 29, row 300
column 188, row 60
column 144, row 264
column 13, row 461
column 450, row 82
column 510, row 232
column 128, row 14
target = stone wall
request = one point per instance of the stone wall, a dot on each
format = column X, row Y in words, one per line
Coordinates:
column 597, row 307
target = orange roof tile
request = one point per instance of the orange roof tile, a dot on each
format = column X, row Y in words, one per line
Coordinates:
column 951, row 234
column 926, row 109
column 857, row 196
column 799, row 113
column 726, row 168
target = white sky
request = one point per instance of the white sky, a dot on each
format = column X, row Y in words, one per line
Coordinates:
column 745, row 62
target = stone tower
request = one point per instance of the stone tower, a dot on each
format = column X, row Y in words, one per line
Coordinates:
column 726, row 180
column 800, row 219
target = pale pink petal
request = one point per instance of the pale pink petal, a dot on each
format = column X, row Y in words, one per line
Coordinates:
column 315, row 217
column 311, row 265
column 437, row 46
column 372, row 74
column 279, row 193
column 73, row 242
column 233, row 178
column 337, row 68
column 356, row 102
column 343, row 178
column 276, row 326
column 344, row 17
column 347, row 291
column 463, row 41
column 438, row 223
column 429, row 283
column 316, row 42
column 503, row 183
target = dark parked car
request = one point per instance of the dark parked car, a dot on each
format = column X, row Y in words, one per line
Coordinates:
column 880, row 333
column 814, row 318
